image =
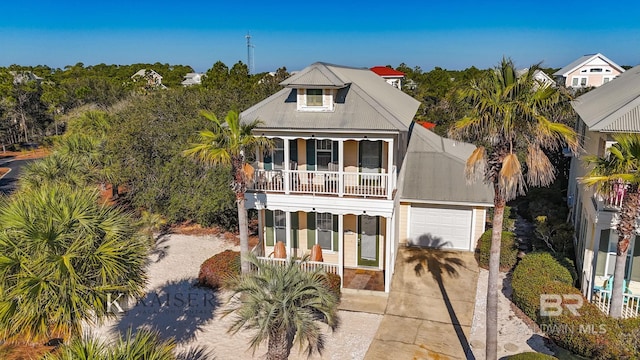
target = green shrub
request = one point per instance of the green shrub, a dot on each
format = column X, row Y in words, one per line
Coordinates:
column 216, row 271
column 333, row 283
column 531, row 356
column 508, row 250
column 533, row 272
column 592, row 334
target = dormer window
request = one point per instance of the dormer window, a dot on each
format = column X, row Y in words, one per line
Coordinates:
column 315, row 99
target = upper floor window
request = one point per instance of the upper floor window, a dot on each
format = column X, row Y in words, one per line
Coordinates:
column 324, row 154
column 595, row 70
column 314, row 97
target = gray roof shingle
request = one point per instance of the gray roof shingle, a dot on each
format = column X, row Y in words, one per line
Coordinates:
column 434, row 172
column 364, row 102
column 583, row 59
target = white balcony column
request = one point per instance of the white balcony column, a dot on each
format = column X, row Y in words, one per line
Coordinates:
column 341, row 246
column 387, row 259
column 286, row 167
column 287, row 234
column 341, row 168
column 390, row 169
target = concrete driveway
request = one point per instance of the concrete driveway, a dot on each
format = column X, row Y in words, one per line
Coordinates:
column 430, row 307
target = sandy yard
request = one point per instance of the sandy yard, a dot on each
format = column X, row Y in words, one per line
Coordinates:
column 175, row 308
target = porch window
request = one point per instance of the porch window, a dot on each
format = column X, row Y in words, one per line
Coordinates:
column 324, row 151
column 314, row 97
column 324, row 228
column 280, row 225
column 274, row 159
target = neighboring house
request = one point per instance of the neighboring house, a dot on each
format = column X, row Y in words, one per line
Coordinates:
column 340, row 137
column 609, row 109
column 588, row 71
column 539, row 75
column 23, row 77
column 152, row 78
column 393, row 77
column 192, row 79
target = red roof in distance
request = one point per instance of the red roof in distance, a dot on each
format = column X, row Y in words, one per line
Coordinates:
column 385, row 71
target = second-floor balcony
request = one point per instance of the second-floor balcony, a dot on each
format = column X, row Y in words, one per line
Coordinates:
column 611, row 200
column 340, row 183
column 331, row 166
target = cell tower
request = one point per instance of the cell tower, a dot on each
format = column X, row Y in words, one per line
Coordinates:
column 249, row 53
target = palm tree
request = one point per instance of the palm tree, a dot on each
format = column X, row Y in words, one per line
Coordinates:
column 227, row 143
column 509, row 122
column 61, row 254
column 617, row 172
column 144, row 344
column 282, row 304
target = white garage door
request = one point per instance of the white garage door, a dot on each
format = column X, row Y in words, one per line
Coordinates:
column 431, row 226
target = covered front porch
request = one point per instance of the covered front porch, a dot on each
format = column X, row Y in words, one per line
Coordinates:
column 604, row 257
column 355, row 247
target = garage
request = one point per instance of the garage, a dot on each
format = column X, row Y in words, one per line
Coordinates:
column 431, row 226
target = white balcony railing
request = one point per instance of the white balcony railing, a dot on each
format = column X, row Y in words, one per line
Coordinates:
column 305, row 265
column 630, row 303
column 325, row 182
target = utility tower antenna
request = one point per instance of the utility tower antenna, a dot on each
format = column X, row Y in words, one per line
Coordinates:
column 249, row 53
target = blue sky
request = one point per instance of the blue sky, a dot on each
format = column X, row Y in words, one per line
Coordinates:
column 449, row 34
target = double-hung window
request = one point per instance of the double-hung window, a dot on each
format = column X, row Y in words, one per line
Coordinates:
column 324, row 228
column 324, row 151
column 314, row 97
column 280, row 225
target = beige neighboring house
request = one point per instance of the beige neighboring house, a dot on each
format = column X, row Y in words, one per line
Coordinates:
column 610, row 109
column 590, row 70
column 344, row 141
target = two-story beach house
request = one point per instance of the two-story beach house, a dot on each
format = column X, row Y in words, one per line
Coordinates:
column 332, row 178
column 609, row 109
column 590, row 70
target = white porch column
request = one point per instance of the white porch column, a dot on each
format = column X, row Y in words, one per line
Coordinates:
column 390, row 184
column 341, row 246
column 341, row 167
column 286, row 167
column 287, row 234
column 387, row 254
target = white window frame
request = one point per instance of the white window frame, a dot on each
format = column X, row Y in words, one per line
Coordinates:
column 606, row 79
column 325, row 149
column 580, row 79
column 278, row 146
column 279, row 224
column 323, row 219
column 327, row 100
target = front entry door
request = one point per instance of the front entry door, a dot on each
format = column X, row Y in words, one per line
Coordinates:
column 368, row 245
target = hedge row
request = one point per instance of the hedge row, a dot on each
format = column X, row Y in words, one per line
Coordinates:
column 592, row 334
column 508, row 250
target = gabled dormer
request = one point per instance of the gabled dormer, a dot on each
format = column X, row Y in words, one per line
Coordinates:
column 316, row 88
